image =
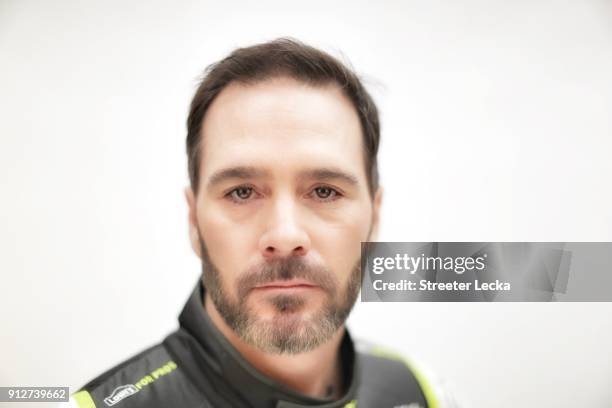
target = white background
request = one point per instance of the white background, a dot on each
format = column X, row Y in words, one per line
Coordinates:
column 496, row 127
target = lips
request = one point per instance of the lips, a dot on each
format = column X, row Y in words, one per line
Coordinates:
column 287, row 284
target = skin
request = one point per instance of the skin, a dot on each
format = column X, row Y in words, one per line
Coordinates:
column 284, row 133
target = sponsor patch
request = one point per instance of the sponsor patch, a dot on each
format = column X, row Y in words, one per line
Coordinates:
column 123, row 391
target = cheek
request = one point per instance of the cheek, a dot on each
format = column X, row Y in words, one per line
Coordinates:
column 228, row 242
column 339, row 242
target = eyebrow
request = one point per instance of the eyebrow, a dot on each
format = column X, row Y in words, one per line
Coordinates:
column 330, row 174
column 248, row 173
column 232, row 173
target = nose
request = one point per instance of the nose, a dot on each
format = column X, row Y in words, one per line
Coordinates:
column 284, row 235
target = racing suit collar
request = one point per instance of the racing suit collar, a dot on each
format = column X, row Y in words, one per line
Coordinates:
column 223, row 361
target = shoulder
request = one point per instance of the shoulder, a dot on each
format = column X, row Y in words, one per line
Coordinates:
column 149, row 379
column 386, row 372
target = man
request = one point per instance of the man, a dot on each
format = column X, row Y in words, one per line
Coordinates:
column 282, row 143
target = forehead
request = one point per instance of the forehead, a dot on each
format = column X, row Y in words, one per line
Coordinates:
column 284, row 124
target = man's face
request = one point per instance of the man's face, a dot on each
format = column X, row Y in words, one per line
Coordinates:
column 282, row 207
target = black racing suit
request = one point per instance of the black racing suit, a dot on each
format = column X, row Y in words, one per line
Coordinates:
column 196, row 366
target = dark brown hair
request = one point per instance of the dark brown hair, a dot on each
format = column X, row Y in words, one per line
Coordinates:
column 277, row 58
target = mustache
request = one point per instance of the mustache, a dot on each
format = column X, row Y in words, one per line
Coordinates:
column 283, row 269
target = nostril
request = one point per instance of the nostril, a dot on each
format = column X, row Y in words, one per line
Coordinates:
column 269, row 250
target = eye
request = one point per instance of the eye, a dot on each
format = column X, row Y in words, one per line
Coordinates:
column 325, row 193
column 240, row 194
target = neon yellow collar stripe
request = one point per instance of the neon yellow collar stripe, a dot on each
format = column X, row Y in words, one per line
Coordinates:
column 83, row 400
column 428, row 391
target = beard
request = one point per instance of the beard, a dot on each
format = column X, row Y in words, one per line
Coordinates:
column 290, row 331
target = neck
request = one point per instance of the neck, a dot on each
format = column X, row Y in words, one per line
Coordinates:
column 311, row 373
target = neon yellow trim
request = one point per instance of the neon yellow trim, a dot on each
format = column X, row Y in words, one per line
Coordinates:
column 352, row 404
column 386, row 353
column 430, row 395
column 428, row 391
column 83, row 400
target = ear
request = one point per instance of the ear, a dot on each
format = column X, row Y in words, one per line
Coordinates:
column 194, row 237
column 376, row 214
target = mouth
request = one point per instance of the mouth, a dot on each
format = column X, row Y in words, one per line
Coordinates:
column 287, row 285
